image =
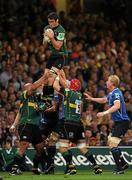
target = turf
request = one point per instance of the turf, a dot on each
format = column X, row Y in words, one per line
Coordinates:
column 81, row 175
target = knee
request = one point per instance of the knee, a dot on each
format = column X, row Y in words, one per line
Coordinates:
column 113, row 141
column 63, row 146
column 23, row 146
column 63, row 149
column 53, row 139
column 83, row 150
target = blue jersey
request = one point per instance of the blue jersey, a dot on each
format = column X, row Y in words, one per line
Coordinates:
column 120, row 114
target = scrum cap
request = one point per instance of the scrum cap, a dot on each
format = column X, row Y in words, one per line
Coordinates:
column 75, row 85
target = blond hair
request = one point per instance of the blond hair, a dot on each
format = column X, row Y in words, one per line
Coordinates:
column 114, row 79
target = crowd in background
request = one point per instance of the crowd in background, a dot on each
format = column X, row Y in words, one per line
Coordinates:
column 97, row 47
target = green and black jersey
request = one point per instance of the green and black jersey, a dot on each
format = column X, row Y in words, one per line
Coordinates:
column 72, row 106
column 28, row 112
column 8, row 155
column 59, row 35
column 48, row 94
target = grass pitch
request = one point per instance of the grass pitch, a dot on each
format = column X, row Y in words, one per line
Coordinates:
column 81, row 175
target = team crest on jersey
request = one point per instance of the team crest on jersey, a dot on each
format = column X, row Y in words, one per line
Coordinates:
column 117, row 95
column 61, row 36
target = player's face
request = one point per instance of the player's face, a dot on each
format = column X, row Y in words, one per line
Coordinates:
column 108, row 84
column 53, row 23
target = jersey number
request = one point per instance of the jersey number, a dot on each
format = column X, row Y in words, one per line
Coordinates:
column 78, row 106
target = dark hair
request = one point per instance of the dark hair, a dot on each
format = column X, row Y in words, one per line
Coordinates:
column 8, row 140
column 53, row 15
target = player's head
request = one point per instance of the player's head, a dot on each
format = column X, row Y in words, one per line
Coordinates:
column 75, row 85
column 53, row 19
column 113, row 81
column 8, row 143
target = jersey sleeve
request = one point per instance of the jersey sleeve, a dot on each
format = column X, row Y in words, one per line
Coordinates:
column 23, row 96
column 61, row 35
column 116, row 96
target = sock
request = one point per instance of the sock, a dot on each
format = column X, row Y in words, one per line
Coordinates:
column 90, row 158
column 51, row 150
column 116, row 155
column 44, row 158
column 36, row 160
column 68, row 157
column 123, row 162
column 40, row 158
column 18, row 159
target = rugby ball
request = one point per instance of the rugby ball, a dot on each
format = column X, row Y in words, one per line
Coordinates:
column 46, row 38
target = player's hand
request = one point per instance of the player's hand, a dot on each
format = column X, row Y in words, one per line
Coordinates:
column 100, row 114
column 12, row 129
column 87, row 96
column 50, row 34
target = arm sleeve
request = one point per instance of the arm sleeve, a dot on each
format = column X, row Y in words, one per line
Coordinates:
column 23, row 96
column 61, row 35
column 116, row 96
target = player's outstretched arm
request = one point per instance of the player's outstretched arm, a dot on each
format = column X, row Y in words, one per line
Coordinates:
column 16, row 123
column 98, row 100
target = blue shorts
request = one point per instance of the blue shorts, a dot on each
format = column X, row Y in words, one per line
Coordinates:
column 120, row 128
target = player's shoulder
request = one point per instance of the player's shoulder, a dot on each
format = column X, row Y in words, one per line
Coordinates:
column 117, row 90
column 60, row 28
column 117, row 93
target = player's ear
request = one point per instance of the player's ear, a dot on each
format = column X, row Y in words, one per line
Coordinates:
column 57, row 20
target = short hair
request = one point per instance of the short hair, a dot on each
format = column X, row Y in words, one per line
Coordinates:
column 53, row 15
column 8, row 140
column 114, row 79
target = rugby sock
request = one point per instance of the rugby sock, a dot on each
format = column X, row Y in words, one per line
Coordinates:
column 44, row 155
column 51, row 150
column 36, row 160
column 40, row 159
column 123, row 162
column 68, row 157
column 18, row 159
column 90, row 158
column 116, row 155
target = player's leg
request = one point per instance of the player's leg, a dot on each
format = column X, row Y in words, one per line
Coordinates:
column 38, row 144
column 51, row 146
column 81, row 144
column 67, row 155
column 18, row 158
column 38, row 157
column 25, row 138
column 114, row 139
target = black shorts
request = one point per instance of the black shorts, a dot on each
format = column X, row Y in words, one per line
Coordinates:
column 50, row 123
column 56, row 61
column 72, row 132
column 120, row 128
column 30, row 133
column 59, row 127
